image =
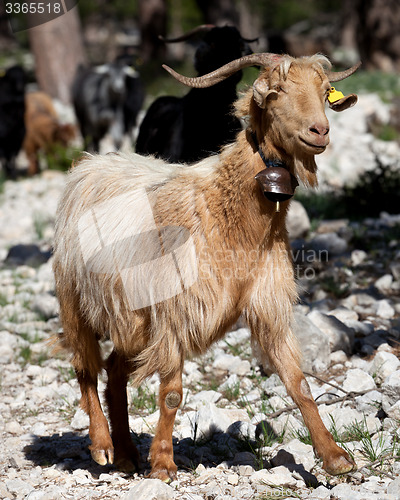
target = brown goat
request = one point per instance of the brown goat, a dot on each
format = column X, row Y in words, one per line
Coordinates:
column 163, row 259
column 43, row 130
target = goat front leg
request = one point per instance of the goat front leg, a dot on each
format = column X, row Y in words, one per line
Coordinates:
column 161, row 453
column 284, row 357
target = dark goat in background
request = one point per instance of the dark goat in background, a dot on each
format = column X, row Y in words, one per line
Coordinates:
column 107, row 99
column 195, row 126
column 12, row 111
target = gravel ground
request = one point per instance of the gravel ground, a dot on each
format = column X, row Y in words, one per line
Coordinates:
column 236, row 435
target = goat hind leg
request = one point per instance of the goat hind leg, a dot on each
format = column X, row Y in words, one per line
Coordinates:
column 284, row 358
column 162, row 456
column 127, row 457
column 87, row 361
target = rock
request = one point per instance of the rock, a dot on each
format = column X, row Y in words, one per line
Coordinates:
column 150, row 489
column 341, row 338
column 80, row 420
column 384, row 283
column 369, row 402
column 344, row 417
column 391, row 395
column 346, row 492
column 313, row 343
column 233, row 364
column 358, row 380
column 330, row 242
column 383, row 365
column 394, row 488
column 14, row 428
column 278, row 476
column 18, row 487
column 358, row 257
column 344, row 315
column 295, row 452
column 30, row 255
column 46, row 305
column 297, row 223
column 321, row 493
column 384, row 309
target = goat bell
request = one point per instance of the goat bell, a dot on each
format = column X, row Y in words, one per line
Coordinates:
column 277, row 184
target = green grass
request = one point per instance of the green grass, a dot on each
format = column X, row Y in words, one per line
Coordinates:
column 143, row 400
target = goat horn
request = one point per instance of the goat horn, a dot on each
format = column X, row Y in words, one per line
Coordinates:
column 336, row 76
column 199, row 29
column 216, row 76
column 250, row 40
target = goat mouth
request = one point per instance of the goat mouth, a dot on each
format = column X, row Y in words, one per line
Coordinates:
column 316, row 147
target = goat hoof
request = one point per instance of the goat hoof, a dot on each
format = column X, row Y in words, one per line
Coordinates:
column 103, row 457
column 164, row 475
column 126, row 465
column 340, row 465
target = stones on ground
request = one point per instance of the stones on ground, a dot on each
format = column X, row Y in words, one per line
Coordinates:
column 150, row 489
column 313, row 342
column 341, row 338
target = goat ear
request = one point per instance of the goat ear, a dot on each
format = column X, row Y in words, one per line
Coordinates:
column 261, row 91
column 344, row 103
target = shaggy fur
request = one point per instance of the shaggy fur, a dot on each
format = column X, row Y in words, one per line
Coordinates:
column 233, row 259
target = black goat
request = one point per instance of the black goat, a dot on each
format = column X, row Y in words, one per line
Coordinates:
column 106, row 98
column 190, row 128
column 12, row 111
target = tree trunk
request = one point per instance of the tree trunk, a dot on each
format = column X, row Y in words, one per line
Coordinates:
column 153, row 22
column 374, row 25
column 58, row 50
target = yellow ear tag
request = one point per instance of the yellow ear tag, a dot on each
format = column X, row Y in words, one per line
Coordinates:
column 334, row 95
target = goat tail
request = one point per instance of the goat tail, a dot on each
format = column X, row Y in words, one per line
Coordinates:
column 164, row 355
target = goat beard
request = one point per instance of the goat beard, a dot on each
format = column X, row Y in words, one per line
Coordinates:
column 305, row 169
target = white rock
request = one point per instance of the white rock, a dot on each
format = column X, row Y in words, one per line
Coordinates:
column 358, row 257
column 18, row 487
column 313, row 342
column 150, row 489
column 80, row 420
column 277, row 476
column 295, row 452
column 46, row 305
column 14, row 428
column 321, row 493
column 384, row 283
column 344, row 417
column 391, row 395
column 384, row 309
column 358, row 380
column 369, row 402
column 340, row 336
column 297, row 223
column 383, row 365
column 203, row 397
column 346, row 492
column 232, row 364
column 230, row 383
column 394, row 488
column 344, row 314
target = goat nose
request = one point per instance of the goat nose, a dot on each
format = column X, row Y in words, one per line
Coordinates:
column 319, row 129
